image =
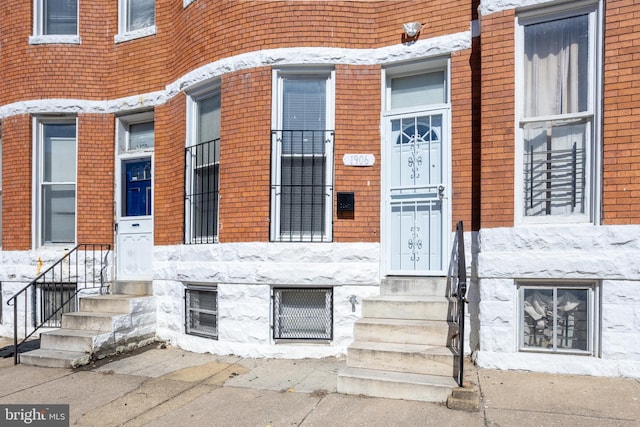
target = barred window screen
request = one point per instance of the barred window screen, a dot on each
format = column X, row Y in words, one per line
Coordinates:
column 202, row 199
column 54, row 296
column 203, row 173
column 303, row 314
column 201, row 310
column 303, row 189
column 302, row 181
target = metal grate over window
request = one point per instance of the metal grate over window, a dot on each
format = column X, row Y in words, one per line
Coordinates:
column 303, row 314
column 52, row 297
column 203, row 193
column 201, row 311
column 304, row 185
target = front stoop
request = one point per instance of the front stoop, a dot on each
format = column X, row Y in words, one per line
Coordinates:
column 401, row 343
column 105, row 325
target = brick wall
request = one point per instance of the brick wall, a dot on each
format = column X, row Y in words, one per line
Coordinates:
column 16, row 182
column 169, row 164
column 245, row 156
column 465, row 170
column 497, row 111
column 358, row 132
column 621, row 104
column 95, row 178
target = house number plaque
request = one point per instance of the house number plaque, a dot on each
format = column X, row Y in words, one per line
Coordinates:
column 358, row 159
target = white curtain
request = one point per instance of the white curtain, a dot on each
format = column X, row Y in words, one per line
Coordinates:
column 555, row 66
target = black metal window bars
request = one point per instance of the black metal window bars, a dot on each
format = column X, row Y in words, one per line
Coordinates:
column 202, row 195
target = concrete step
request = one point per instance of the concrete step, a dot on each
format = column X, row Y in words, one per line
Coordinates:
column 426, row 286
column 102, row 322
column 407, row 307
column 395, row 385
column 408, row 358
column 75, row 340
column 55, row 358
column 404, row 331
column 107, row 303
column 132, row 288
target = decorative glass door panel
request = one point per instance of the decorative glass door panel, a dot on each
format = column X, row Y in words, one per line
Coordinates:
column 416, row 191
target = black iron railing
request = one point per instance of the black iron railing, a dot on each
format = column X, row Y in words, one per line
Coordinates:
column 83, row 267
column 458, row 290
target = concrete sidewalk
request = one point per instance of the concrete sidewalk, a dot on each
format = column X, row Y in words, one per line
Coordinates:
column 170, row 387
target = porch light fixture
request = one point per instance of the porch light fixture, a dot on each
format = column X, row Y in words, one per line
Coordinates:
column 412, row 28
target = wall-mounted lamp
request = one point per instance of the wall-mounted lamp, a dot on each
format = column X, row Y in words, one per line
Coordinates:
column 412, row 28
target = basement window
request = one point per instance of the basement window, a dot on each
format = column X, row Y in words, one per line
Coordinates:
column 303, row 313
column 559, row 317
column 55, row 300
column 201, row 311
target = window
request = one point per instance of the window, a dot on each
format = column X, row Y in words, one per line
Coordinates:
column 302, row 154
column 55, row 181
column 201, row 311
column 56, row 17
column 303, row 313
column 137, row 15
column 557, row 124
column 57, row 296
column 203, row 170
column 559, row 317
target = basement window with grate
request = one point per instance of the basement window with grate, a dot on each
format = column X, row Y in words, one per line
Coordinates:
column 303, row 314
column 201, row 311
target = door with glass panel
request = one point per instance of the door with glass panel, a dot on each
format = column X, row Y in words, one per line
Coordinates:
column 135, row 210
column 417, row 202
column 416, row 169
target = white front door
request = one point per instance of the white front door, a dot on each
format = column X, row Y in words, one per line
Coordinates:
column 135, row 220
column 417, row 202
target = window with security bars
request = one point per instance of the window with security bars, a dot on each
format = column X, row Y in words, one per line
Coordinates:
column 201, row 311
column 558, row 318
column 203, row 173
column 302, row 150
column 57, row 296
column 303, row 313
column 557, row 119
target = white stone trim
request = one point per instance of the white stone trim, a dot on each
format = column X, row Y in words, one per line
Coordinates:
column 54, row 39
column 186, row 3
column 388, row 55
column 136, row 34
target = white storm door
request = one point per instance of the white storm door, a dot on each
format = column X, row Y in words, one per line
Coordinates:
column 135, row 223
column 417, row 211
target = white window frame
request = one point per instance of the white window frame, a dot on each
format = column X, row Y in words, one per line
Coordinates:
column 188, row 328
column 39, row 37
column 124, row 33
column 279, row 75
column 193, row 109
column 592, row 173
column 593, row 290
column 39, row 124
column 299, row 316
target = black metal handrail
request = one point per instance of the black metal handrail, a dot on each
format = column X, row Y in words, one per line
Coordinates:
column 83, row 267
column 459, row 292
